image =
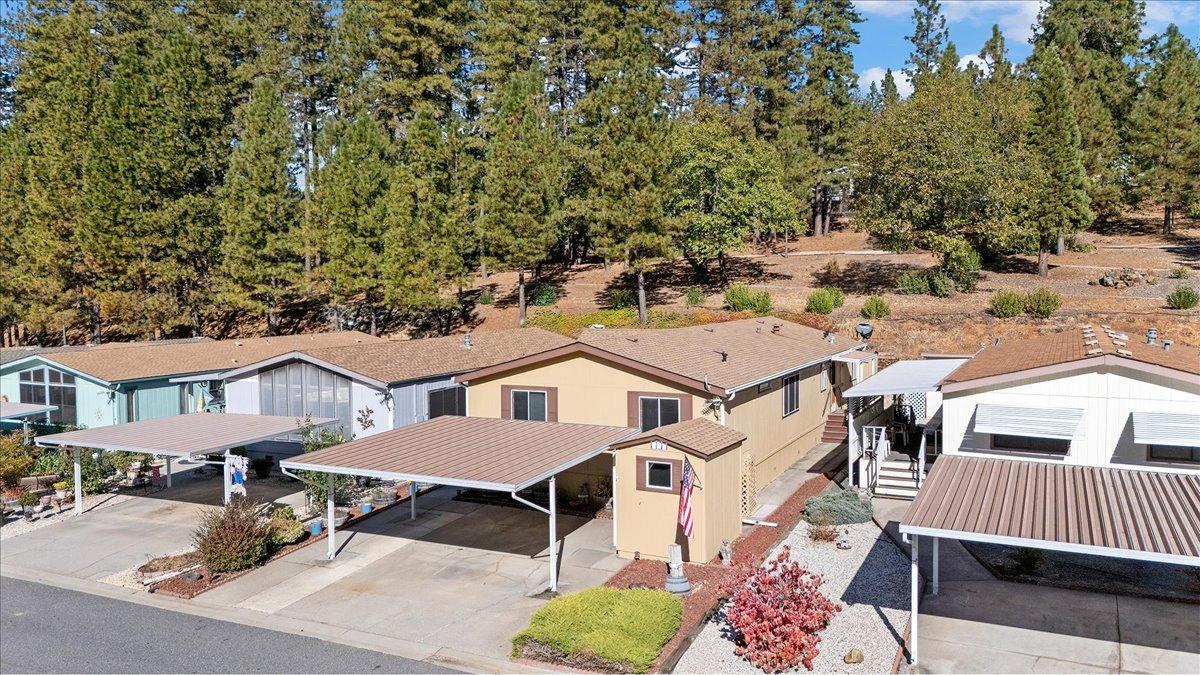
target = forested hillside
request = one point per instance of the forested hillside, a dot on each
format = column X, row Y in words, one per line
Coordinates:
column 180, row 167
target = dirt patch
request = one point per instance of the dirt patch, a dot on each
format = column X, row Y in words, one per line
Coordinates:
column 168, row 563
column 533, row 650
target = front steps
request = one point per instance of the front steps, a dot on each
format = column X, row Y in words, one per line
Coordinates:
column 897, row 479
column 835, row 430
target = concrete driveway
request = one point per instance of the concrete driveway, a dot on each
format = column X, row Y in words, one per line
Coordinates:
column 454, row 585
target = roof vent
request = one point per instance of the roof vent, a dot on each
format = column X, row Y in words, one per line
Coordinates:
column 1167, row 344
column 631, row 339
column 1091, row 342
column 1094, row 352
column 1124, row 352
column 597, row 326
column 996, row 341
column 709, row 329
column 1152, row 336
column 467, row 341
column 775, row 328
column 238, row 343
column 1106, row 326
column 234, row 360
column 724, row 355
column 1120, row 343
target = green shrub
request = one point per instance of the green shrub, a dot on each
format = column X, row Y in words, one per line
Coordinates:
column 940, row 283
column 695, row 296
column 742, row 298
column 1180, row 272
column 285, row 531
column 1183, row 297
column 1007, row 303
column 232, row 538
column 839, row 298
column 284, row 511
column 837, row 508
column 604, row 628
column 913, row 283
column 28, row 499
column 15, row 461
column 875, row 308
column 543, row 295
column 51, row 461
column 820, row 301
column 486, row 298
column 962, row 264
column 1043, row 302
column 1028, row 560
column 623, row 298
column 1078, row 244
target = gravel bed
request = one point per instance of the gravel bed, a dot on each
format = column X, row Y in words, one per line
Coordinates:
column 14, row 526
column 870, row 581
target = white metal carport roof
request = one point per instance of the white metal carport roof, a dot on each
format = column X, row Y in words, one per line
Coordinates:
column 902, row 377
column 1165, row 428
column 1008, row 420
column 10, row 411
column 181, row 435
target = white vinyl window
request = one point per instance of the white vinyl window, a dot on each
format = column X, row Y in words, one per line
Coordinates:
column 791, row 394
column 658, row 475
column 529, row 405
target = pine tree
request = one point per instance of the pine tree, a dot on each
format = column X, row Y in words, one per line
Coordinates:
column 928, row 39
column 1060, row 205
column 1164, row 127
column 995, row 54
column 523, row 182
column 259, row 210
column 891, row 94
column 507, row 40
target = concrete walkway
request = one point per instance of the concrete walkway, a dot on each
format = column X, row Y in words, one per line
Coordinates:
column 978, row 623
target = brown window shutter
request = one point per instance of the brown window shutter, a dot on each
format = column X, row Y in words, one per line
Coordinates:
column 506, row 402
column 551, row 404
column 633, row 418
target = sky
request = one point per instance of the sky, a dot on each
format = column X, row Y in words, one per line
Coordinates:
column 887, row 22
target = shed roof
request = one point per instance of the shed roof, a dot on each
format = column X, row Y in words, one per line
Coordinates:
column 1102, row 343
column 699, row 435
column 15, row 411
column 1127, row 513
column 902, row 377
column 720, row 356
column 137, row 361
column 472, row 452
column 181, row 435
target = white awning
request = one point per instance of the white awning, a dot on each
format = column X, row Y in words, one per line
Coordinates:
column 903, row 377
column 1007, row 420
column 1164, row 428
column 14, row 411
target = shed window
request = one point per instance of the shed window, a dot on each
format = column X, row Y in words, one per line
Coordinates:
column 658, row 475
column 448, row 401
column 1173, row 453
column 529, row 405
column 657, row 412
column 48, row 386
column 1042, row 446
column 791, row 394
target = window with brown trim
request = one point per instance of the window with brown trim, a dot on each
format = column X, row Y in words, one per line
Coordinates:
column 520, row 402
column 652, row 409
column 1173, row 453
column 658, row 474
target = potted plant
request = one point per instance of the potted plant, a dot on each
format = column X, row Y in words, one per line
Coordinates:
column 340, row 515
column 261, row 466
column 28, row 501
column 383, row 496
column 364, row 506
column 62, row 490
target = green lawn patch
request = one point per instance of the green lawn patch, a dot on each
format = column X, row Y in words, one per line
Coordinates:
column 621, row 630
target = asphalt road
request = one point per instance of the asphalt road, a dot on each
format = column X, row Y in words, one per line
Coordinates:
column 44, row 629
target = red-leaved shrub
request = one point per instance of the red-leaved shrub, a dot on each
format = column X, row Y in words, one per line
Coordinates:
column 777, row 612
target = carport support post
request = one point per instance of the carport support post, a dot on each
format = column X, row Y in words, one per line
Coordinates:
column 915, row 596
column 78, row 483
column 225, row 472
column 935, row 565
column 168, row 472
column 332, row 550
column 553, row 538
column 412, row 500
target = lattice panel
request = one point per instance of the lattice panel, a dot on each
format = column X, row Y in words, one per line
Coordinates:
column 749, row 486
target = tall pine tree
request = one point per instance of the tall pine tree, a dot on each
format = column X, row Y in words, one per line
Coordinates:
column 929, row 39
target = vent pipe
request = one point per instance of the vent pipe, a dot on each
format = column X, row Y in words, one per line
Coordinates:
column 1167, row 344
column 467, row 341
column 1151, row 336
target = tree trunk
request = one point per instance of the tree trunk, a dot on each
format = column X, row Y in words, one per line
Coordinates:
column 1061, row 248
column 272, row 321
column 97, row 332
column 374, row 322
column 816, row 213
column 1168, row 219
column 1043, row 259
column 521, row 297
column 643, row 314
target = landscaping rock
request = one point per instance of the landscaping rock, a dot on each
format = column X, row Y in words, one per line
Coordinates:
column 853, row 656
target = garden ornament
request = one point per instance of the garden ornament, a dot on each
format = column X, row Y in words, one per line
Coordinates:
column 677, row 581
column 843, row 540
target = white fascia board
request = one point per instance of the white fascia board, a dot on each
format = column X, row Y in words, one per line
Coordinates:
column 596, row 452
column 118, row 447
column 201, row 377
column 51, row 362
column 754, row 383
column 301, row 356
column 293, row 465
column 1150, row 556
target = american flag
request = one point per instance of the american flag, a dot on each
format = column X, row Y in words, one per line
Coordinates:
column 685, row 497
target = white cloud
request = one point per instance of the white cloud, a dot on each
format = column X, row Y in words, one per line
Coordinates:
column 972, row 58
column 885, row 7
column 875, row 75
column 1015, row 17
column 1161, row 13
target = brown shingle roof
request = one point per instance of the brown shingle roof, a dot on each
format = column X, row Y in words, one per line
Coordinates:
column 752, row 350
column 117, row 363
column 13, row 353
column 400, row 360
column 699, row 435
column 1146, row 512
column 1074, row 345
column 492, row 454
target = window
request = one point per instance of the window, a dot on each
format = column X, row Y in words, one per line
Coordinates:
column 764, row 387
column 824, row 378
column 658, row 475
column 48, row 386
column 529, row 405
column 791, row 394
column 1172, row 453
column 448, row 401
column 1042, row 446
column 298, row 389
column 657, row 412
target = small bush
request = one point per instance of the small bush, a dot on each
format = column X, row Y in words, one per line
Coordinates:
column 839, row 298
column 1007, row 303
column 777, row 614
column 543, row 295
column 15, row 461
column 233, row 538
column 1180, row 272
column 1028, row 560
column 820, row 301
column 285, row 531
column 962, row 264
column 1043, row 302
column 875, row 308
column 51, row 462
column 62, row 485
column 838, row 508
column 913, row 283
column 486, row 298
column 603, row 628
column 622, row 298
column 284, row 511
column 695, row 296
column 940, row 284
column 1078, row 244
column 28, row 499
column 820, row 529
column 1183, row 297
column 742, row 298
